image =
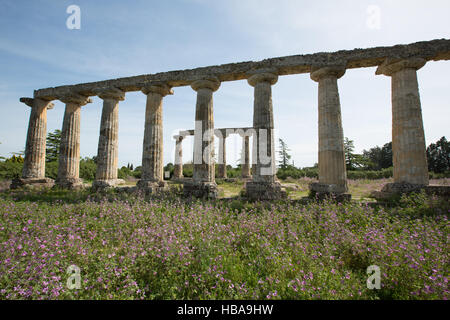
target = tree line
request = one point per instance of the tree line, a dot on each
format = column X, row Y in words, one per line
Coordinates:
column 372, row 164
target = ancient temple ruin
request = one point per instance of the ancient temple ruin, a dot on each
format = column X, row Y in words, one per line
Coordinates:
column 399, row 62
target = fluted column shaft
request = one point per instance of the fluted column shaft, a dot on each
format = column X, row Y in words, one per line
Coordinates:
column 152, row 153
column 203, row 183
column 178, row 167
column 246, row 157
column 264, row 184
column 204, row 170
column 408, row 137
column 263, row 141
column 69, row 152
column 332, row 169
column 222, row 166
column 108, row 142
column 34, row 163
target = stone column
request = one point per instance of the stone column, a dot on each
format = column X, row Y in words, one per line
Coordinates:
column 222, row 158
column 408, row 137
column 33, row 172
column 152, row 179
column 108, row 142
column 332, row 169
column 246, row 158
column 178, row 166
column 69, row 151
column 264, row 185
column 203, row 183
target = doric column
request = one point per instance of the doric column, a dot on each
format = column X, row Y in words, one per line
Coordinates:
column 222, row 157
column 108, row 142
column 408, row 138
column 69, row 151
column 152, row 179
column 332, row 170
column 34, row 163
column 264, row 184
column 203, row 183
column 178, row 166
column 245, row 166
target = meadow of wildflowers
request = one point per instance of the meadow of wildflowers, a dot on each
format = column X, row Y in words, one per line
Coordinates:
column 132, row 247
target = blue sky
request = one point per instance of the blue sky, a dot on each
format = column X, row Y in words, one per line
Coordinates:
column 126, row 38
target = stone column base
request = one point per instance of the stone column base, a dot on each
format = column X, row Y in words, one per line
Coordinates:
column 264, row 190
column 106, row 184
column 397, row 188
column 335, row 191
column 152, row 187
column 32, row 182
column 70, row 183
column 174, row 178
column 200, row 189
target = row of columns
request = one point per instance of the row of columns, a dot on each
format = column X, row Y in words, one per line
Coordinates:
column 408, row 139
column 222, row 158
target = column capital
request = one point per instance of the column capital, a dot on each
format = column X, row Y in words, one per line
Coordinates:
column 393, row 65
column 211, row 83
column 162, row 88
column 178, row 138
column 222, row 133
column 110, row 93
column 317, row 73
column 75, row 98
column 264, row 76
column 31, row 101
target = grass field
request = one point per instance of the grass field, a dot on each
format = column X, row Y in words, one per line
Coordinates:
column 136, row 247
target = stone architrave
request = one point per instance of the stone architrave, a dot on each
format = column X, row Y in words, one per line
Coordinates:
column 108, row 142
column 332, row 169
column 203, row 183
column 264, row 185
column 178, row 166
column 152, row 179
column 69, row 152
column 408, row 137
column 33, row 172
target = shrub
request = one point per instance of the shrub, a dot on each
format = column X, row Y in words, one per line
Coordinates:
column 10, row 170
column 88, row 167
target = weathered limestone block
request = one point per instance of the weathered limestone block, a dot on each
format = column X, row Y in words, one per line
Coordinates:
column 393, row 189
column 178, row 166
column 264, row 190
column 69, row 152
column 264, row 185
column 108, row 142
column 33, row 172
column 408, row 137
column 332, row 170
column 152, row 179
column 203, row 183
column 202, row 189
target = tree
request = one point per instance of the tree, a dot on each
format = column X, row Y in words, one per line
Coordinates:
column 53, row 143
column 284, row 155
column 438, row 156
column 352, row 160
column 379, row 158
